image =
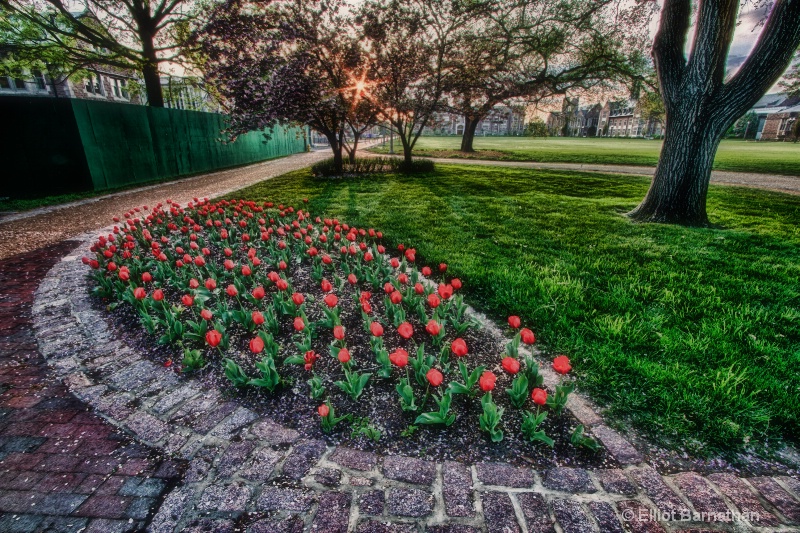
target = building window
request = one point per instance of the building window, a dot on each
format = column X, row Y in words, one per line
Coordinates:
column 39, row 80
column 94, row 85
column 12, row 84
column 120, row 88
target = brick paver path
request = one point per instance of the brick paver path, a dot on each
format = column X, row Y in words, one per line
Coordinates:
column 61, row 468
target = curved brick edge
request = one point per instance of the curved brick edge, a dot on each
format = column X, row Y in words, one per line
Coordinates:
column 250, row 471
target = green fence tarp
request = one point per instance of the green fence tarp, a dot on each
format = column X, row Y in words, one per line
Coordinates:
column 108, row 145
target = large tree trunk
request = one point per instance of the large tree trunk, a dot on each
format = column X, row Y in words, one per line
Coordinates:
column 680, row 185
column 336, row 147
column 152, row 79
column 470, row 125
column 700, row 103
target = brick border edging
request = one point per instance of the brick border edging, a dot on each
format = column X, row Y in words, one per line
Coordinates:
column 228, row 476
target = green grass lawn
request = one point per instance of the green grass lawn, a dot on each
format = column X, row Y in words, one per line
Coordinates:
column 691, row 335
column 764, row 157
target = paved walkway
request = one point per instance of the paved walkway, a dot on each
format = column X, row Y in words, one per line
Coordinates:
column 62, row 468
column 23, row 232
column 771, row 182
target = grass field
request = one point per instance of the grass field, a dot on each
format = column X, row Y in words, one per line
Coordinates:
column 691, row 335
column 762, row 157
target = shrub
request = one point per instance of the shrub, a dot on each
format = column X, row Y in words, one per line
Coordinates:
column 371, row 165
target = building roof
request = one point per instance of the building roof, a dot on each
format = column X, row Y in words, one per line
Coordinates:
column 776, row 100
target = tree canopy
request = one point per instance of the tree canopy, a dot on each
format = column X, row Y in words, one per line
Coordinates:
column 124, row 34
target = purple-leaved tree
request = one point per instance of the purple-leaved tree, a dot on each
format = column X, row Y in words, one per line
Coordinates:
column 288, row 61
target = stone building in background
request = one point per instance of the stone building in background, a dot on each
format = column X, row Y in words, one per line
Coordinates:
column 103, row 83
column 622, row 118
column 501, row 120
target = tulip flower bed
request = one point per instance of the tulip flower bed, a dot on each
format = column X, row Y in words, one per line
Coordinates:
column 317, row 324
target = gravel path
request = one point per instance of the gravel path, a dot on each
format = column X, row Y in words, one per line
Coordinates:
column 770, row 182
column 23, row 232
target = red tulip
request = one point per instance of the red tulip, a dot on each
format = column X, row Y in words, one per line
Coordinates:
column 376, row 329
column 213, row 338
column 139, row 293
column 326, row 286
column 124, row 274
column 539, row 396
column 257, row 318
column 193, row 283
column 231, row 290
column 147, row 277
column 426, row 271
column 282, row 284
column 514, row 321
column 487, row 381
column 368, row 257
column 299, row 325
column 394, row 262
column 331, row 300
column 344, row 356
column 435, row 377
column 399, row 358
column 211, row 284
column 433, row 327
column 403, row 278
column 527, row 336
column 561, row 364
column 298, row 298
column 433, row 301
column 338, row 333
column 158, row 295
column 199, row 261
column 256, row 345
column 187, row 300
column 366, row 307
column 419, row 288
column 445, row 290
column 388, row 288
column 456, row 283
column 442, row 267
column 410, row 255
column 459, row 348
column 405, row 330
column 323, row 410
column 206, row 314
column 258, row 293
column 510, row 365
column 229, row 265
column 396, row 297
column 352, row 279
